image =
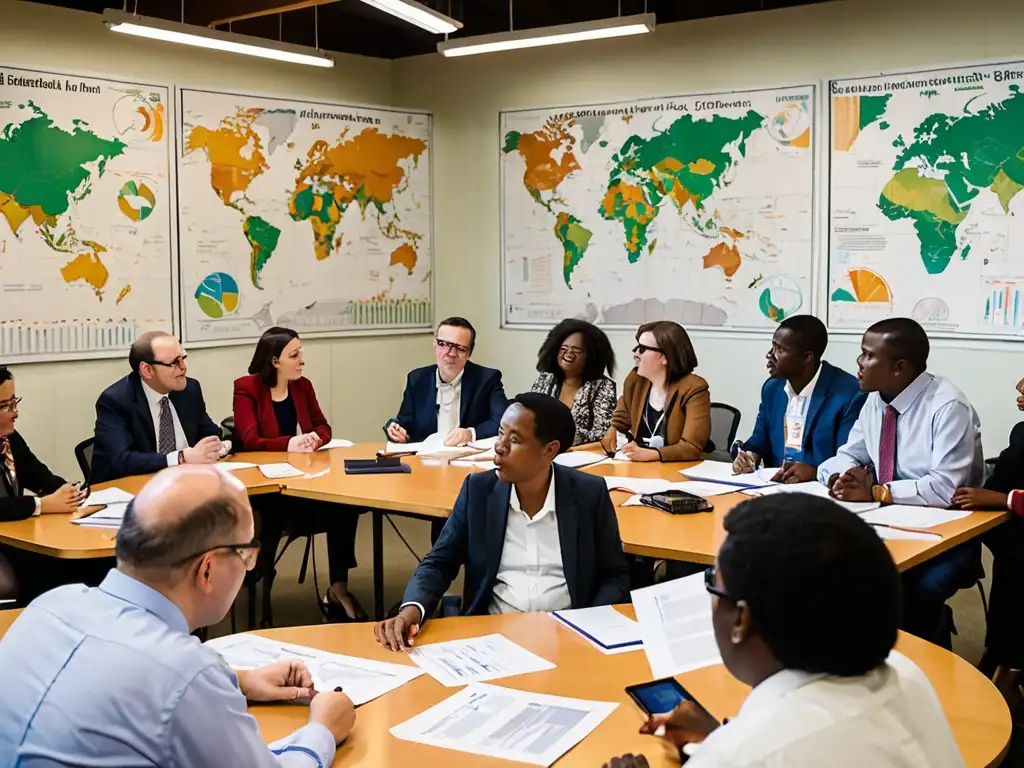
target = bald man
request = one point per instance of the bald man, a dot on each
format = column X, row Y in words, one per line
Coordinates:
column 111, row 676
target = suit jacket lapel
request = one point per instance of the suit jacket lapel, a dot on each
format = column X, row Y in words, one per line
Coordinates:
column 821, row 391
column 143, row 412
column 567, row 516
column 188, row 425
column 431, row 404
column 298, row 396
column 468, row 389
column 494, row 537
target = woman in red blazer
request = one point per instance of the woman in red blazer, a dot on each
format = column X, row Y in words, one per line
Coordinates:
column 276, row 409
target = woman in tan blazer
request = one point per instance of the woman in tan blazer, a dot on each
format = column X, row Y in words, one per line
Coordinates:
column 664, row 413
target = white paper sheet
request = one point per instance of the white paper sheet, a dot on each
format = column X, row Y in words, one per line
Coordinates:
column 813, row 488
column 489, row 464
column 234, row 466
column 895, row 534
column 658, row 485
column 500, row 722
column 913, row 517
column 433, row 442
column 476, row 659
column 721, row 472
column 577, row 459
column 336, row 443
column 108, row 496
column 362, row 679
column 110, row 516
column 603, row 627
column 280, row 470
column 675, row 623
column 484, row 444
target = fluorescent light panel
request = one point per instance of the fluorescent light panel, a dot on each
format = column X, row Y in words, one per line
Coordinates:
column 418, row 14
column 172, row 32
column 620, row 26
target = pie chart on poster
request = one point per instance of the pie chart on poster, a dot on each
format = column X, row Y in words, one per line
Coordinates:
column 136, row 201
column 217, row 295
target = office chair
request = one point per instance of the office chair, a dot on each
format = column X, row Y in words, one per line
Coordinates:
column 725, row 423
column 83, row 452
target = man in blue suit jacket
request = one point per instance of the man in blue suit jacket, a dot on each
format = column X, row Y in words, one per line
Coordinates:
column 807, row 406
column 153, row 418
column 461, row 400
column 532, row 535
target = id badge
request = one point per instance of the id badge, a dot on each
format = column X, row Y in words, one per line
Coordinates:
column 656, row 442
column 794, row 433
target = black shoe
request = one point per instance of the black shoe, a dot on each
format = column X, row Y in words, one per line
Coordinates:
column 335, row 613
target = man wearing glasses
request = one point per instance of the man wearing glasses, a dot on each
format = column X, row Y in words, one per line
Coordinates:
column 155, row 417
column 456, row 398
column 111, row 676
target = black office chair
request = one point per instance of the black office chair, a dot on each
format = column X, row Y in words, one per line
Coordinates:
column 228, row 432
column 83, row 452
column 725, row 423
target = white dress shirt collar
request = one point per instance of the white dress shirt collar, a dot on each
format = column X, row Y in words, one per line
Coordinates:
column 546, row 508
column 152, row 396
column 914, row 390
column 456, row 382
column 768, row 692
column 806, row 391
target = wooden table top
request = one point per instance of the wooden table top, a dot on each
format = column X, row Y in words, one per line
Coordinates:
column 430, row 491
column 977, row 713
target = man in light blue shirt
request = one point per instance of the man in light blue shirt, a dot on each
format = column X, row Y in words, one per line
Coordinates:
column 111, row 676
column 916, row 441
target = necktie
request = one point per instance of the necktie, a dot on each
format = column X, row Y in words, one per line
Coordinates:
column 165, row 442
column 887, row 447
column 8, row 464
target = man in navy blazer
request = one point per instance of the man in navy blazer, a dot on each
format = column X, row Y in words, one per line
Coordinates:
column 532, row 535
column 460, row 399
column 807, row 406
column 153, row 418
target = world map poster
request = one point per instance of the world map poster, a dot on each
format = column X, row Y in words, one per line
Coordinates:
column 312, row 216
column 85, row 215
column 698, row 209
column 925, row 206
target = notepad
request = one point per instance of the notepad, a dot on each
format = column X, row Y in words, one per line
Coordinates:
column 279, row 471
column 108, row 496
column 110, row 516
column 604, row 628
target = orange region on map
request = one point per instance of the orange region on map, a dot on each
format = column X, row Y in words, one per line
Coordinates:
column 124, row 292
column 235, row 152
column 725, row 256
column 702, row 166
column 627, row 201
column 729, row 231
column 543, row 172
column 16, row 214
column 87, row 267
column 405, row 255
column 155, row 120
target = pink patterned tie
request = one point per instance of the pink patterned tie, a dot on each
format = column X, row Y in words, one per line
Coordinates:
column 887, row 447
column 8, row 462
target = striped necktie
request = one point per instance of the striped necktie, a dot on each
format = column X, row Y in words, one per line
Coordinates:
column 165, row 437
column 887, row 447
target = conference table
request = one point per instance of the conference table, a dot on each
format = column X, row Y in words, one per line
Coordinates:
column 429, row 491
column 977, row 713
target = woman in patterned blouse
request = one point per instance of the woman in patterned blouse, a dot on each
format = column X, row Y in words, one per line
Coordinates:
column 573, row 362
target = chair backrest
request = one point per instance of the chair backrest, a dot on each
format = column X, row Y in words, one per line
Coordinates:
column 725, row 423
column 227, row 428
column 83, row 452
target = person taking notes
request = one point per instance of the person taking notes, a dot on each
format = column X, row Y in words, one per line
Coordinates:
column 916, row 441
column 155, row 417
column 456, row 398
column 276, row 409
column 111, row 676
column 532, row 535
column 664, row 413
column 573, row 362
column 807, row 406
column 805, row 602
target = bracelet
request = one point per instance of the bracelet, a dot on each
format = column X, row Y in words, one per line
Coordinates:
column 882, row 494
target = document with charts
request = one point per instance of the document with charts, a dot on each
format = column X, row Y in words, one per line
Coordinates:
column 476, row 659
column 512, row 725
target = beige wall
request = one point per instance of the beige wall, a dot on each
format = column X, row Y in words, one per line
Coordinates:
column 58, row 407
column 776, row 48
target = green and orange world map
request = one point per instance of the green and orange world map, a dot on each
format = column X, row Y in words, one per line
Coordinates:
column 367, row 168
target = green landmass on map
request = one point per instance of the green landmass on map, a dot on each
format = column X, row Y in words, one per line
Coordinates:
column 575, row 238
column 685, row 163
column 263, row 237
column 872, row 108
column 951, row 159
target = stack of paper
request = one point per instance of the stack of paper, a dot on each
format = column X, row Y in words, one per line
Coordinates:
column 363, row 680
column 234, row 466
column 108, row 496
column 279, row 471
column 604, row 628
column 114, row 502
column 336, row 443
column 813, row 488
column 900, row 516
column 476, row 659
column 895, row 534
column 484, row 444
column 675, row 624
column 721, row 472
column 577, row 459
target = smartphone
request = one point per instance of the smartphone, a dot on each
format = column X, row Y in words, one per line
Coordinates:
column 660, row 697
column 83, row 487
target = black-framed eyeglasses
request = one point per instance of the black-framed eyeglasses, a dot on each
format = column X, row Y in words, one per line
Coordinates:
column 639, row 349
column 574, row 350
column 178, row 362
column 709, row 584
column 246, row 553
column 11, row 405
column 458, row 348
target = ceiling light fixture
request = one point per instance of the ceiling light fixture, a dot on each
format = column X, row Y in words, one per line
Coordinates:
column 418, row 14
column 620, row 26
column 186, row 34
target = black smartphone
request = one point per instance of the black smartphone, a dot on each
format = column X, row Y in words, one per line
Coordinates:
column 659, row 697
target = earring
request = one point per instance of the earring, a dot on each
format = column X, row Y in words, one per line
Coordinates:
column 736, row 638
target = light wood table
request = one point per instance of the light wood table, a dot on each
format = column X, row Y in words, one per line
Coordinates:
column 7, row 618
column 977, row 713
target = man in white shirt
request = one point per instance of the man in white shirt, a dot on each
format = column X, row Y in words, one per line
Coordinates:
column 805, row 607
column 155, row 417
column 532, row 535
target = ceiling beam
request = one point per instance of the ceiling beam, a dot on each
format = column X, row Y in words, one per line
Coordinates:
column 255, row 9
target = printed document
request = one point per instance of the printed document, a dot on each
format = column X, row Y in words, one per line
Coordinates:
column 500, row 722
column 721, row 472
column 476, row 659
column 675, row 624
column 913, row 517
column 362, row 679
column 814, row 488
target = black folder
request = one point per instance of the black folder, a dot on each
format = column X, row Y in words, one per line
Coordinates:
column 379, row 466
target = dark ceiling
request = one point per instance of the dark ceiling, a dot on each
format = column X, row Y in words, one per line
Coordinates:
column 354, row 27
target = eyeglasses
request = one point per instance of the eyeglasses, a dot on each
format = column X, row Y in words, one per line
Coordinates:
column 11, row 405
column 457, row 348
column 246, row 553
column 639, row 349
column 574, row 350
column 178, row 362
column 709, row 584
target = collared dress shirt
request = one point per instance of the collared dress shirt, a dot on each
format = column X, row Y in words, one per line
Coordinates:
column 938, row 443
column 109, row 677
column 794, row 422
column 449, row 405
column 180, row 441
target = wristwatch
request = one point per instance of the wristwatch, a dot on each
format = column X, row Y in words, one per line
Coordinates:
column 181, row 457
column 882, row 494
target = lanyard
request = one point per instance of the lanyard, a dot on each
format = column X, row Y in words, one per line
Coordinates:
column 657, row 424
